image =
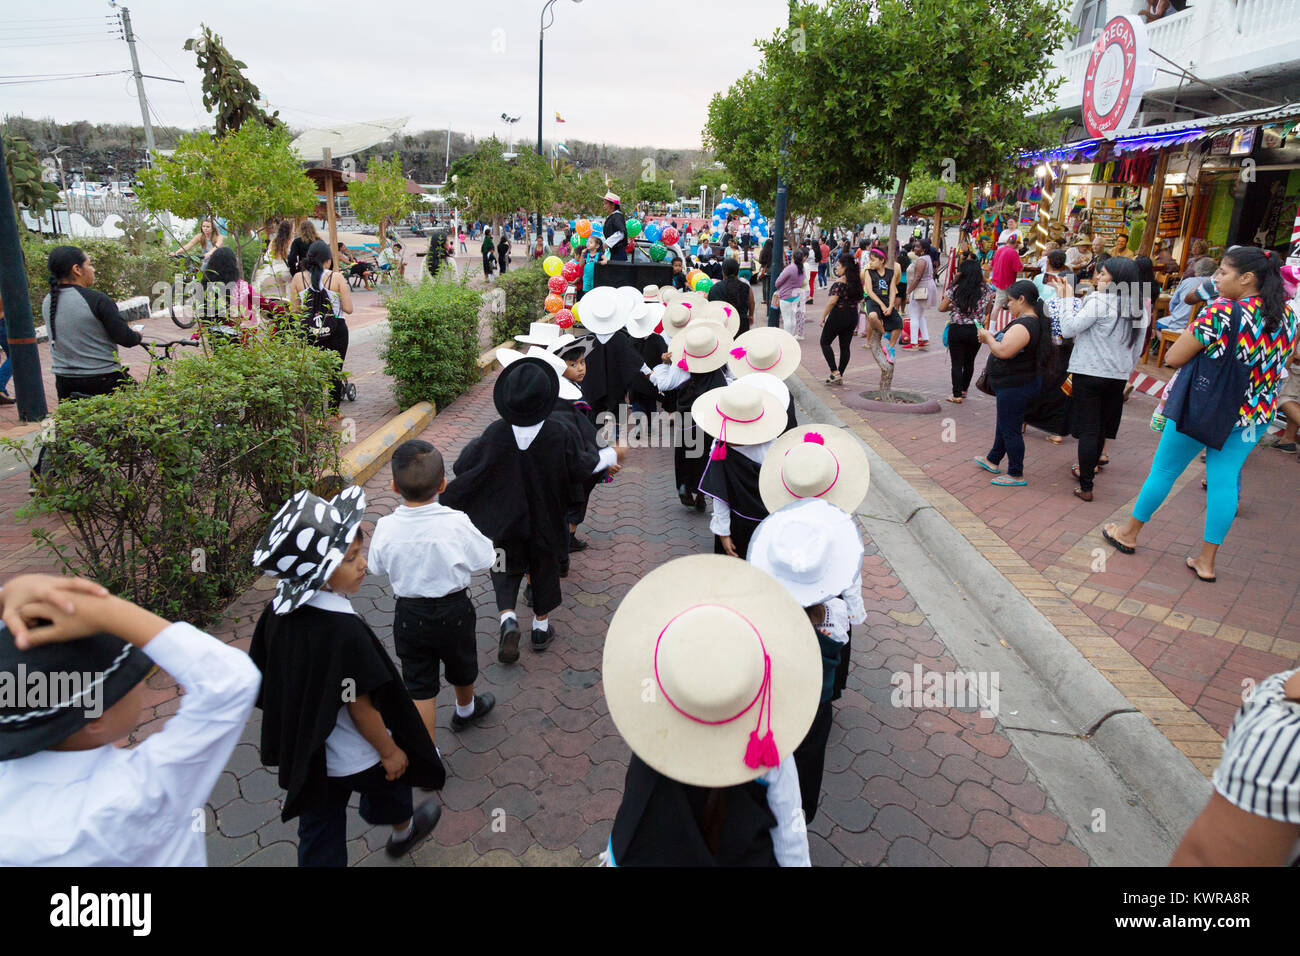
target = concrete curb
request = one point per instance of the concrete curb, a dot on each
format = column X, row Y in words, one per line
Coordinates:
column 1171, row 788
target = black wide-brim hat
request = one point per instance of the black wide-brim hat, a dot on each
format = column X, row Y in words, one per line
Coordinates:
column 56, row 689
column 579, row 347
column 306, row 543
column 526, row 392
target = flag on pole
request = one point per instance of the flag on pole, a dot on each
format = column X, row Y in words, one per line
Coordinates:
column 559, row 118
column 562, row 148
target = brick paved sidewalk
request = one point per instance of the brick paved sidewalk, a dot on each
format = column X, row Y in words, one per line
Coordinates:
column 1198, row 641
column 902, row 787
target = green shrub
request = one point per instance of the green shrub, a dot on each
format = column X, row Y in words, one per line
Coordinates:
column 167, row 487
column 526, row 292
column 119, row 272
column 431, row 352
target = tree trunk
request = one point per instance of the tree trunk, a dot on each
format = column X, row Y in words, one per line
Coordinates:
column 876, row 341
column 893, row 222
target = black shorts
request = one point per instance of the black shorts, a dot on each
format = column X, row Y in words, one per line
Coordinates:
column 892, row 322
column 427, row 631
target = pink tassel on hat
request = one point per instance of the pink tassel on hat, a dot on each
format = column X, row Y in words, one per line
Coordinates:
column 719, row 452
column 814, row 438
column 686, row 305
column 681, row 364
column 738, row 352
column 769, row 757
column 754, row 751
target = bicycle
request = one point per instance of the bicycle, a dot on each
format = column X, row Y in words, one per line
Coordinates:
column 191, row 274
column 158, row 364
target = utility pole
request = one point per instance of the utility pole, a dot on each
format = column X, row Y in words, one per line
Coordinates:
column 139, row 82
column 778, row 234
column 29, row 388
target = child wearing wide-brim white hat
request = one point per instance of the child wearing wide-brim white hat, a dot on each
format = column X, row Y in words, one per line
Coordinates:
column 734, row 674
column 814, row 549
column 765, row 349
column 815, row 461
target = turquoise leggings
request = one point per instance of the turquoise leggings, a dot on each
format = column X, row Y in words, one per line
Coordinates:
column 1222, row 474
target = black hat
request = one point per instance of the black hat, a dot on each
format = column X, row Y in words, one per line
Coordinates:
column 48, row 693
column 308, row 539
column 526, row 391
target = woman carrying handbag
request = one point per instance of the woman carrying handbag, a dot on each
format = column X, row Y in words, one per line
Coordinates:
column 1221, row 401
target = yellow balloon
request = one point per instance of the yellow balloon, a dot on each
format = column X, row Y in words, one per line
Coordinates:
column 552, row 265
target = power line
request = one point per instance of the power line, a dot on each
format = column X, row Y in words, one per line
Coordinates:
column 28, row 46
column 56, row 79
column 106, row 17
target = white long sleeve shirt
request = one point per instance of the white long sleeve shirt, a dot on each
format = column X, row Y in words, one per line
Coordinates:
column 140, row 807
column 430, row 551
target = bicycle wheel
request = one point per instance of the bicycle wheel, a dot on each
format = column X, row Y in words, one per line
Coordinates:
column 350, row 391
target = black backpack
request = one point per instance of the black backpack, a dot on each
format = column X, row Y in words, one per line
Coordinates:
column 317, row 311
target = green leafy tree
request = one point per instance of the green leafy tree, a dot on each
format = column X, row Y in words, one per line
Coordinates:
column 496, row 187
column 227, row 93
column 381, row 198
column 26, row 182
column 653, row 190
column 245, row 176
column 859, row 74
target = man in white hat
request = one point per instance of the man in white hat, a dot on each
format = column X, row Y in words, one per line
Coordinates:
column 615, row 230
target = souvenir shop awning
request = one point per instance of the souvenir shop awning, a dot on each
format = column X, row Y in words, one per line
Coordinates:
column 1158, row 137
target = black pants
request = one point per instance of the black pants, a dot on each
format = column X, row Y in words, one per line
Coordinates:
column 963, row 346
column 810, row 760
column 543, row 570
column 338, row 342
column 840, row 324
column 65, row 386
column 1008, row 441
column 430, row 631
column 1096, row 406
column 322, row 828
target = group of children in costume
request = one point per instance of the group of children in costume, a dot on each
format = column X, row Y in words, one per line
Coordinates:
column 747, row 656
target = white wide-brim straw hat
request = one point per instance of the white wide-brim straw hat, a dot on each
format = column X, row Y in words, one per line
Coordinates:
column 629, row 296
column 700, row 347
column 676, row 317
column 739, row 414
column 694, row 300
column 651, row 293
column 568, row 388
column 810, row 546
column 723, row 313
column 644, row 319
column 772, row 385
column 767, row 349
column 668, row 295
column 546, row 334
column 601, row 312
column 815, row 461
column 714, row 641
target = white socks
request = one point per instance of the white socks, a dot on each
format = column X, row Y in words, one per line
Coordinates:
column 466, row 710
column 542, row 624
column 508, row 616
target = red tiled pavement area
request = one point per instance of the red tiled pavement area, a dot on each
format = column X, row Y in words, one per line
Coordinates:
column 540, row 780
column 1202, row 641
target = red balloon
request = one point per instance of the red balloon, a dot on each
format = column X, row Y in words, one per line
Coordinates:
column 564, row 319
column 668, row 236
column 557, row 284
column 571, row 271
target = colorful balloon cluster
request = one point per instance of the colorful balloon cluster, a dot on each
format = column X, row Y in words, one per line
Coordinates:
column 698, row 281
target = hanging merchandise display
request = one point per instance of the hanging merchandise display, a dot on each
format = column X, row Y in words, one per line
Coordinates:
column 1107, row 217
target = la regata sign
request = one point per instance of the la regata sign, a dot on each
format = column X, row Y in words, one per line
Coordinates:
column 1118, row 74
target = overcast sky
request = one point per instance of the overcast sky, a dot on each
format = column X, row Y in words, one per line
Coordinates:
column 445, row 63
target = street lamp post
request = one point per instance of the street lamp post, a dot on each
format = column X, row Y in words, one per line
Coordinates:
column 67, row 200
column 543, row 25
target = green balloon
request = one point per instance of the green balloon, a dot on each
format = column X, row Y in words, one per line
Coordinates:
column 577, row 241
column 704, row 285
column 633, row 228
column 658, row 251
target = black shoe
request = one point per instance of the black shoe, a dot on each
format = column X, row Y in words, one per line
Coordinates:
column 5, row 399
column 423, row 821
column 508, row 652
column 528, row 594
column 686, row 497
column 699, row 502
column 564, row 569
column 543, row 639
column 483, row 704
column 576, row 544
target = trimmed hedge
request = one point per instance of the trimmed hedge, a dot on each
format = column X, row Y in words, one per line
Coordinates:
column 525, row 297
column 167, row 487
column 431, row 352
column 119, row 272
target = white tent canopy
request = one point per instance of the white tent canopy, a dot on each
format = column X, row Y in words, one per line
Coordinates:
column 345, row 139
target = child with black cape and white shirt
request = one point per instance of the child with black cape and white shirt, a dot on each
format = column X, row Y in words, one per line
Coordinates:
column 733, row 664
column 337, row 718
column 514, row 482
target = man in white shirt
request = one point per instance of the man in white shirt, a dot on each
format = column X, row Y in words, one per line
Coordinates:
column 68, row 796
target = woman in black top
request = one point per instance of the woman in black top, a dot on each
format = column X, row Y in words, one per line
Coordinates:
column 296, row 259
column 732, row 289
column 503, row 252
column 840, row 317
column 880, row 289
column 1023, row 358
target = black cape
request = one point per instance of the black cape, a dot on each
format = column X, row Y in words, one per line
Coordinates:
column 615, row 222
column 520, row 497
column 734, row 479
column 576, row 414
column 611, row 369
column 688, row 466
column 737, row 295
column 308, row 658
column 664, row 823
column 652, row 353
column 639, row 388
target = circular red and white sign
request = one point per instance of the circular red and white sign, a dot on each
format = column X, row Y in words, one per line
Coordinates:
column 1116, row 77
